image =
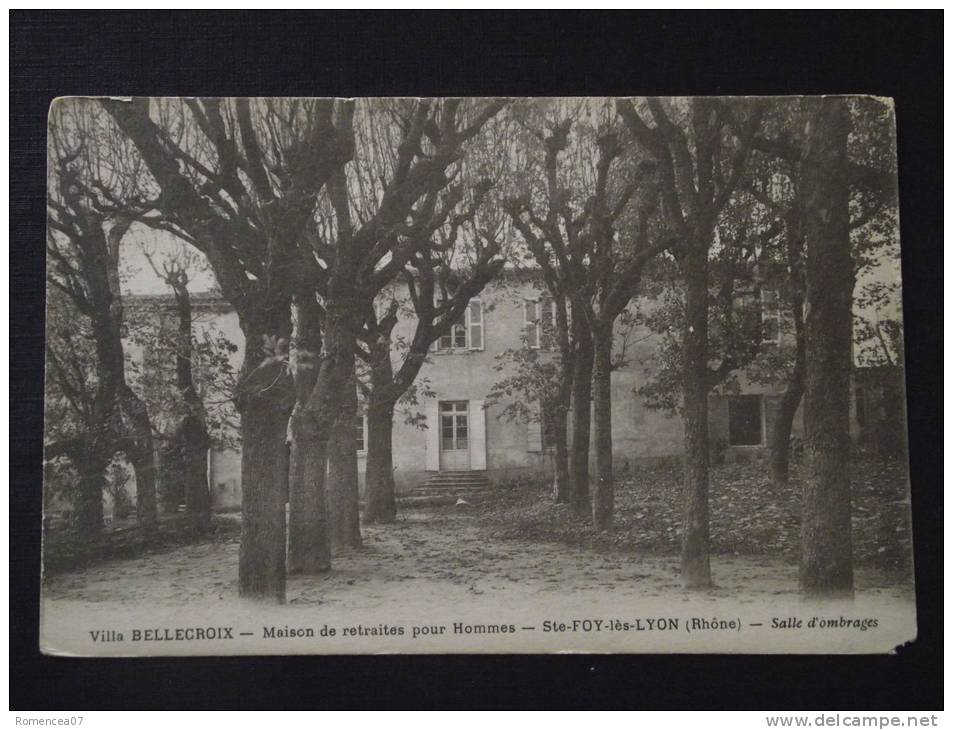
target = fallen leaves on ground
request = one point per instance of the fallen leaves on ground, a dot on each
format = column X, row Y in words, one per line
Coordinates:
column 749, row 516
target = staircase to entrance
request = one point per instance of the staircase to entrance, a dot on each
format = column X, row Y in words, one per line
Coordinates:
column 468, row 485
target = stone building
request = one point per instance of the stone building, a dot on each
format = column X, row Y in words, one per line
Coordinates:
column 466, row 434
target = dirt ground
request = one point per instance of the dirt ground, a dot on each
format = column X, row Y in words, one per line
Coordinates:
column 439, row 567
column 444, row 547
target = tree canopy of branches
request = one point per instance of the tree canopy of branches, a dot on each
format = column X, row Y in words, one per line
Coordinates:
column 200, row 363
column 841, row 152
column 701, row 147
column 328, row 221
column 265, row 189
column 589, row 228
column 439, row 293
column 382, row 217
column 83, row 238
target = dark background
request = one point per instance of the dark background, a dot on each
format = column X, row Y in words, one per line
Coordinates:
column 527, row 53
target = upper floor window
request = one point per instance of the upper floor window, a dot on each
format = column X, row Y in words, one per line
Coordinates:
column 539, row 319
column 467, row 332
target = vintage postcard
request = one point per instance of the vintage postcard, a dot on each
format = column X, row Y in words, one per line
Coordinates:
column 508, row 375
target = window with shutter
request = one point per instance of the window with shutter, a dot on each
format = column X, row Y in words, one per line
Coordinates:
column 467, row 332
column 456, row 337
column 475, row 324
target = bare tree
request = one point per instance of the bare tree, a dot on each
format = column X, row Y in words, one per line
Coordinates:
column 83, row 239
column 556, row 229
column 190, row 437
column 240, row 180
column 779, row 187
column 374, row 227
column 440, row 290
column 826, row 560
column 592, row 245
column 701, row 146
column 309, row 546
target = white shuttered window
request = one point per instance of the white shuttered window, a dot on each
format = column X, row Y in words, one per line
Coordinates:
column 467, row 332
column 475, row 324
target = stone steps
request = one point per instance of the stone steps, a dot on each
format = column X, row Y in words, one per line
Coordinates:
column 465, row 485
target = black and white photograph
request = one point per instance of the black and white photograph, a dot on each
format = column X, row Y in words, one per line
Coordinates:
column 474, row 375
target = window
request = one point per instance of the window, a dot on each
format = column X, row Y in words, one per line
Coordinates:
column 458, row 335
column 539, row 323
column 454, row 425
column 745, row 420
column 475, row 324
column 360, row 432
column 467, row 332
column 770, row 316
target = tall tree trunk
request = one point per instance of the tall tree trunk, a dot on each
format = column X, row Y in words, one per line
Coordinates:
column 192, row 433
column 309, row 547
column 379, row 475
column 198, row 500
column 261, row 561
column 562, row 479
column 334, row 403
column 780, row 456
column 781, row 434
column 379, row 489
column 142, row 455
column 826, row 561
column 562, row 484
column 99, row 444
column 171, row 482
column 603, row 496
column 265, row 403
column 89, row 502
column 581, row 419
column 343, row 497
column 696, row 568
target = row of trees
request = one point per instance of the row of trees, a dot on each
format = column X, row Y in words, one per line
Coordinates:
column 305, row 238
column 710, row 203
column 325, row 221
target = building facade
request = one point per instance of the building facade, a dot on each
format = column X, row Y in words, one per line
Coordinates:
column 453, row 427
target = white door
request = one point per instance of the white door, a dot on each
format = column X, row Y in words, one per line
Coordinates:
column 454, row 436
